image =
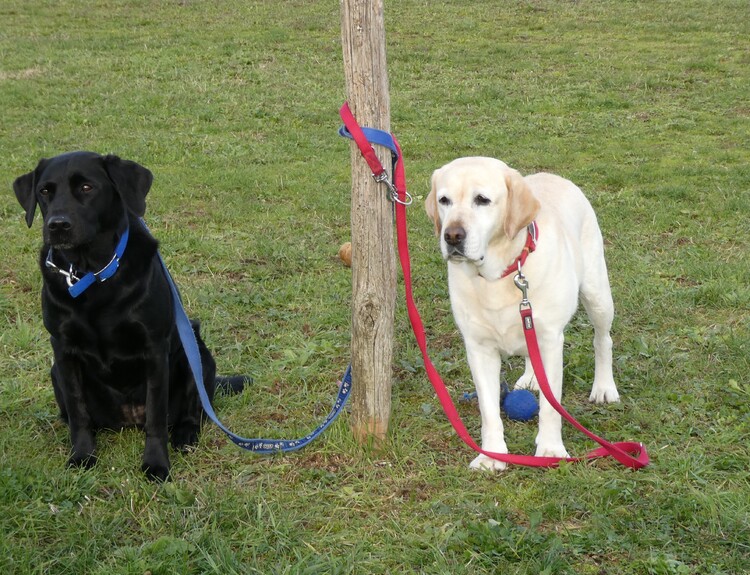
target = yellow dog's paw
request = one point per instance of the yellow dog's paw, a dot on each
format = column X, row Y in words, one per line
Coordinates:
column 527, row 381
column 484, row 463
column 603, row 394
column 551, row 450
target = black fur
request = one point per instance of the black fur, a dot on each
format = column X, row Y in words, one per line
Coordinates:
column 118, row 360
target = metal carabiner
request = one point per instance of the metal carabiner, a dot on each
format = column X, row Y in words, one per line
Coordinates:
column 383, row 178
column 70, row 277
column 523, row 285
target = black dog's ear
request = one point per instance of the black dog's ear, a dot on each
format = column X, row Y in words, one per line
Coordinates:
column 132, row 180
column 25, row 194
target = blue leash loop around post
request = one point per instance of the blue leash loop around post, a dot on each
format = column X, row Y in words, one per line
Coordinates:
column 374, row 136
column 381, row 138
column 256, row 445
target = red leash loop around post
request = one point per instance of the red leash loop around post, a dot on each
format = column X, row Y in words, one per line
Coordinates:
column 630, row 454
column 368, row 153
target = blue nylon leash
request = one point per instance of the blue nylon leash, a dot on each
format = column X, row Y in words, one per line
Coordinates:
column 374, row 136
column 256, row 445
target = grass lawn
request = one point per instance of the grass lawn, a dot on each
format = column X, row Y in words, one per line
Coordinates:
column 234, row 107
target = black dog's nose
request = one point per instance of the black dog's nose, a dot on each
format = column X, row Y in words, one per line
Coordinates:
column 59, row 224
column 454, row 235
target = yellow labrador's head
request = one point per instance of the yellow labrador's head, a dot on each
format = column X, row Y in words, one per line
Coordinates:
column 475, row 201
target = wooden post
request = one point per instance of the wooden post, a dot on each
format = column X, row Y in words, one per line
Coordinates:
column 373, row 258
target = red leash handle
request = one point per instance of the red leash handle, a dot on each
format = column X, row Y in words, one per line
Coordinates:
column 630, row 454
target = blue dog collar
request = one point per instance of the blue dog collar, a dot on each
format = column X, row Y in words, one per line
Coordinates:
column 78, row 285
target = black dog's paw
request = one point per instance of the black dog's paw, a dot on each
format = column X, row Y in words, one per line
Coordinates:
column 84, row 460
column 156, row 471
column 156, row 459
column 232, row 384
column 83, row 449
column 185, row 436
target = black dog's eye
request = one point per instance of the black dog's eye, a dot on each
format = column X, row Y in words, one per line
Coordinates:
column 85, row 188
column 482, row 201
column 444, row 201
column 44, row 192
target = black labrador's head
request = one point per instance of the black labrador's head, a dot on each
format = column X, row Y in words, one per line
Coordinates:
column 81, row 194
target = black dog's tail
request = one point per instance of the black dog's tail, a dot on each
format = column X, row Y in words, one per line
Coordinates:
column 231, row 384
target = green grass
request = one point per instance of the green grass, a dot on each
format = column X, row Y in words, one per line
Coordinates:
column 233, row 106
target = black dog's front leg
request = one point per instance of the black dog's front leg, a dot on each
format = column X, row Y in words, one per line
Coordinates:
column 156, row 455
column 68, row 386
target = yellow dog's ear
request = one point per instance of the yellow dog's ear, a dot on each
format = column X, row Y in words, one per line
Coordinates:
column 430, row 204
column 522, row 206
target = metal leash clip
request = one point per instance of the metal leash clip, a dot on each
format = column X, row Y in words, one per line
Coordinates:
column 383, row 178
column 70, row 277
column 523, row 285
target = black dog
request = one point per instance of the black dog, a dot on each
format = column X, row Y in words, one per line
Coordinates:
column 108, row 308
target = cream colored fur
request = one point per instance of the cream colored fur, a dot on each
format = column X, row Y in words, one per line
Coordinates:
column 480, row 208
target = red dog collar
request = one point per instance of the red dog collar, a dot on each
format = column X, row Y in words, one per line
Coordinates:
column 532, row 234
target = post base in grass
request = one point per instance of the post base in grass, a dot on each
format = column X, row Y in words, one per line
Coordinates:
column 371, row 433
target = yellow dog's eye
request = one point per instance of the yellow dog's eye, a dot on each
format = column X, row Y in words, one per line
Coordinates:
column 482, row 201
column 444, row 201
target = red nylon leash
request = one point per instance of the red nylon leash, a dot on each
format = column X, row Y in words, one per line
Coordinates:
column 630, row 454
column 367, row 151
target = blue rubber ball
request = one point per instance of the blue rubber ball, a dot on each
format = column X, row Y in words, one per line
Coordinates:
column 520, row 405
